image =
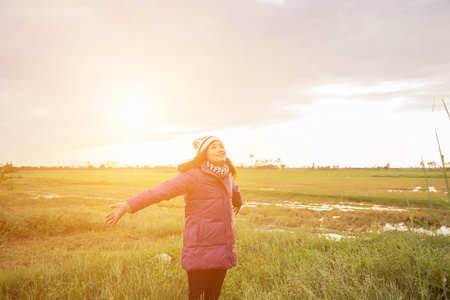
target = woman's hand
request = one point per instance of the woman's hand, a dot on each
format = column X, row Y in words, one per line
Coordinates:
column 236, row 209
column 119, row 210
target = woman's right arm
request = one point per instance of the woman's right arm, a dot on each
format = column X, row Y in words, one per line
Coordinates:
column 178, row 185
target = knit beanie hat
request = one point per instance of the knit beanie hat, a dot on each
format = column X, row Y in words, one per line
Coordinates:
column 201, row 144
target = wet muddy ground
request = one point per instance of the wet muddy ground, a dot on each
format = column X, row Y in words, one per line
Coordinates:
column 332, row 219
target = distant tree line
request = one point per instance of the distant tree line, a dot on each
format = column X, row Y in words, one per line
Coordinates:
column 314, row 167
column 432, row 165
column 89, row 166
column 386, row 167
column 265, row 163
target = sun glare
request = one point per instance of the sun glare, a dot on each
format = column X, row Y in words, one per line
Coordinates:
column 133, row 102
column 133, row 107
column 133, row 110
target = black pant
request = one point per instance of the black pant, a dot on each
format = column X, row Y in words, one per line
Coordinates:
column 205, row 284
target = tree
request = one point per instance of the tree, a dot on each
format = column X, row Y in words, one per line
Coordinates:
column 251, row 157
column 89, row 166
column 266, row 163
column 5, row 175
column 431, row 164
column 111, row 164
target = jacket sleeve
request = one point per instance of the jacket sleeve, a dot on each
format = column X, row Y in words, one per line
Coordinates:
column 237, row 198
column 177, row 186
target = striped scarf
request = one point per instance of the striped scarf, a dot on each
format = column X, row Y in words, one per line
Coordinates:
column 219, row 171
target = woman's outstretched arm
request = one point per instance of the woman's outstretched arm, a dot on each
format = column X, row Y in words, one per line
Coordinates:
column 178, row 185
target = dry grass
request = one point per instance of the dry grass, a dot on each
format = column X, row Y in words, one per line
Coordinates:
column 54, row 243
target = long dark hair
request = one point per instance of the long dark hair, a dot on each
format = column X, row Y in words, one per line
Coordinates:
column 197, row 161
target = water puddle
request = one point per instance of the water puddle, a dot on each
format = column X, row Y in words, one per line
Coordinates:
column 432, row 189
column 324, row 207
column 56, row 196
column 401, row 227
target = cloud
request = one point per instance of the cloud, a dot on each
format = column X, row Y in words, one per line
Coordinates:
column 208, row 65
column 275, row 2
column 348, row 90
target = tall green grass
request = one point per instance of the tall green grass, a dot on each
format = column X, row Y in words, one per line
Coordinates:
column 444, row 191
column 271, row 265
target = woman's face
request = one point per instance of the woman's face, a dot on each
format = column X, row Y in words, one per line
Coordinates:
column 216, row 153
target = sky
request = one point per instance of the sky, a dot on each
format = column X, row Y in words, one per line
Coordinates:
column 350, row 83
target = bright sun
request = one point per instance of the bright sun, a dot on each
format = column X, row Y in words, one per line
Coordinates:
column 133, row 110
column 133, row 103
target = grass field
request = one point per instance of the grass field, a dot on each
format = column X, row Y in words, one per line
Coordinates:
column 302, row 234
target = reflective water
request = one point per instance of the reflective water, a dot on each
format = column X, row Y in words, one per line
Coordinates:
column 324, row 207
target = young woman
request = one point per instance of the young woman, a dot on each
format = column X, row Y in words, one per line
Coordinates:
column 211, row 195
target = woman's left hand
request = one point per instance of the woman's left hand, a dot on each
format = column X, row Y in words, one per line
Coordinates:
column 236, row 209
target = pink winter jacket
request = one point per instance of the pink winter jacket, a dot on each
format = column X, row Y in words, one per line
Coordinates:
column 208, row 240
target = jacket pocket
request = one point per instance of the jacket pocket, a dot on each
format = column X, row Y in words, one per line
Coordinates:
column 211, row 233
column 204, row 234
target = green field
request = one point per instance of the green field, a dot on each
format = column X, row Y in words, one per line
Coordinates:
column 54, row 243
